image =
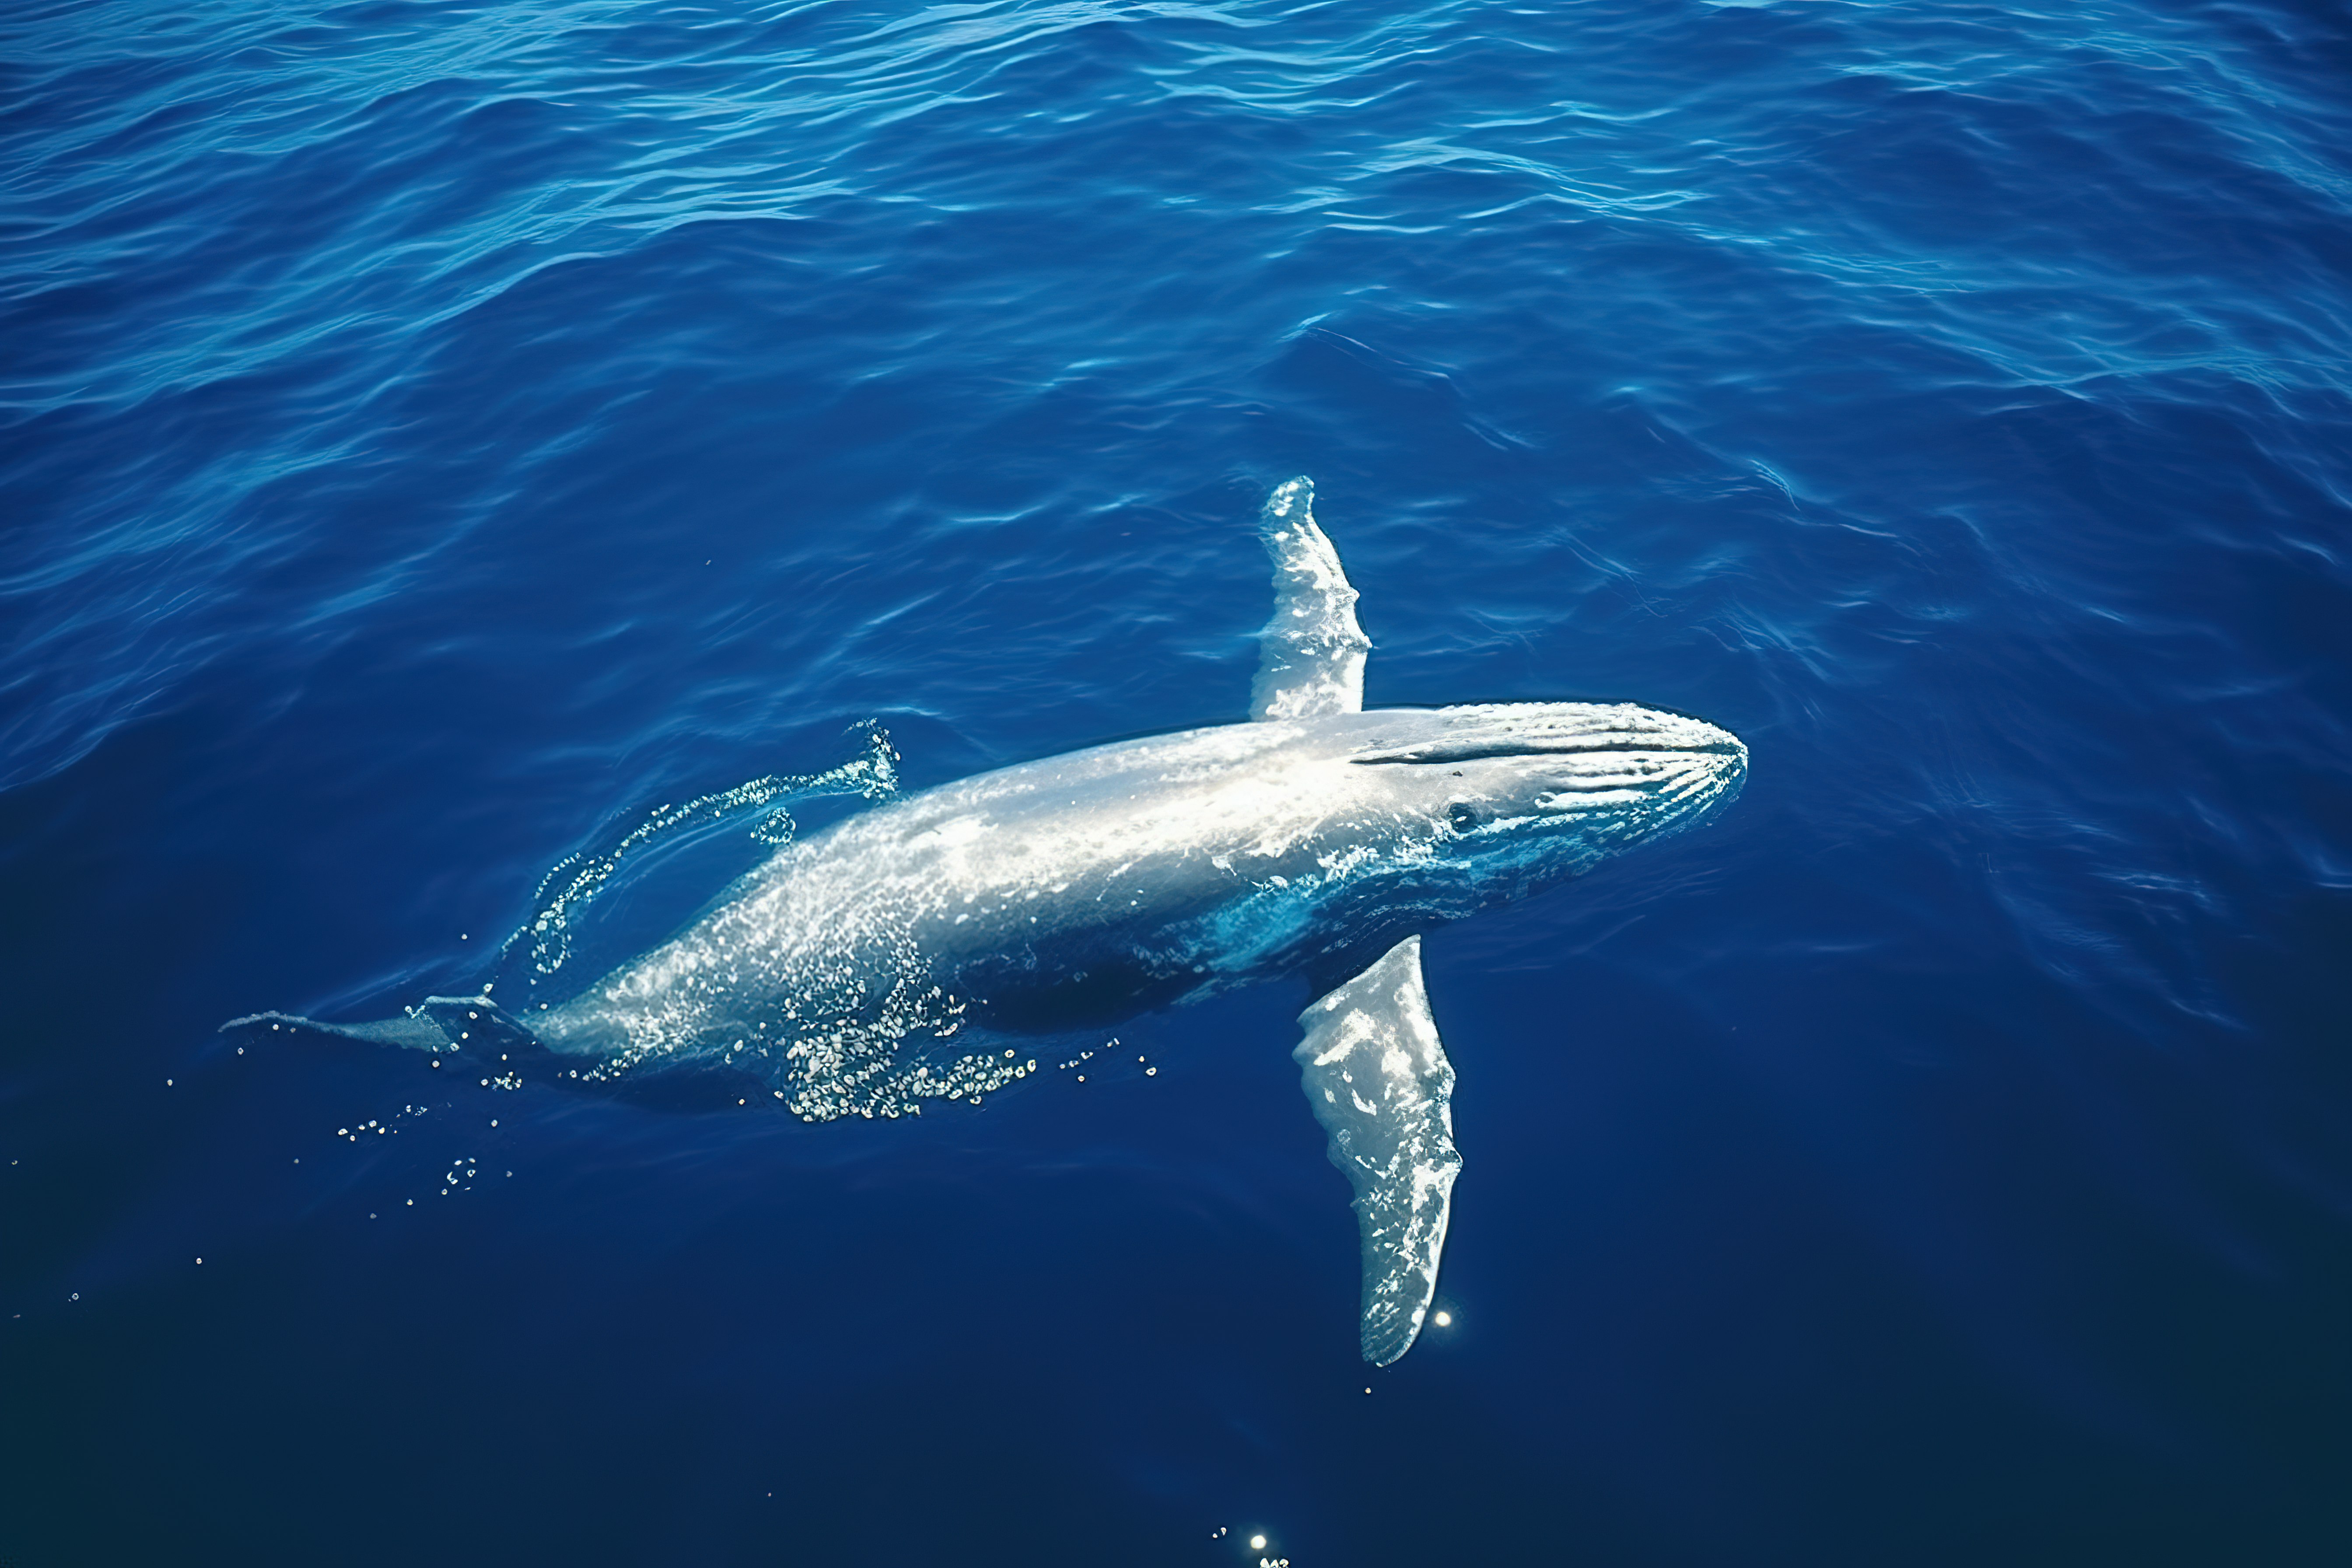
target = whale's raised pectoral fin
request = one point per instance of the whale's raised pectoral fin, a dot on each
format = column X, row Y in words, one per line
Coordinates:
column 1312, row 655
column 1377, row 1076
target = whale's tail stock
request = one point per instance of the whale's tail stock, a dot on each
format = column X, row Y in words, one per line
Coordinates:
column 466, row 1026
column 475, row 1039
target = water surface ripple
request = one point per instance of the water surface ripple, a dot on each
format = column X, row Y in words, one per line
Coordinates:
column 435, row 438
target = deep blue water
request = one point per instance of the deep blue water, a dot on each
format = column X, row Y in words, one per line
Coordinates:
column 436, row 435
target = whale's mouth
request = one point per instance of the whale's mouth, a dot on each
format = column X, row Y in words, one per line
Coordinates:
column 1439, row 753
column 1548, row 732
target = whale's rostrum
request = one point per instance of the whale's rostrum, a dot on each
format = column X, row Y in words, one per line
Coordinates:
column 911, row 952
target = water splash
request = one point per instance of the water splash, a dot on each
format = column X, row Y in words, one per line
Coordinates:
column 874, row 1039
column 546, row 940
column 877, row 1036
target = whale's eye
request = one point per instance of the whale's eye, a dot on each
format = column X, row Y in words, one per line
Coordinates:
column 1462, row 816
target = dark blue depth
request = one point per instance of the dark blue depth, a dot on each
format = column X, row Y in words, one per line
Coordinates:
column 435, row 434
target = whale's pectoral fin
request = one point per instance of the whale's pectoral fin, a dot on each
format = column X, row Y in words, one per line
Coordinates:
column 1312, row 655
column 1377, row 1076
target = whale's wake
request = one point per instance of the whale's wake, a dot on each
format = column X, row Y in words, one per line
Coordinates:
column 546, row 941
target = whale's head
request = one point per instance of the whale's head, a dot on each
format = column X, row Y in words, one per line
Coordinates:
column 1520, row 795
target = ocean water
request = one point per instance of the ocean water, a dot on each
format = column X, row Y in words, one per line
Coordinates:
column 436, row 436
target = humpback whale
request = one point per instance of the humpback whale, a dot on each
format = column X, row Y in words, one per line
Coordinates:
column 908, row 952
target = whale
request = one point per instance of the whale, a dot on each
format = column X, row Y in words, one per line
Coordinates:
column 917, row 953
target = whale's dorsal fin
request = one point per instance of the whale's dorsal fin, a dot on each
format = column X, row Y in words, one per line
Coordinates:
column 1312, row 655
column 1377, row 1076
